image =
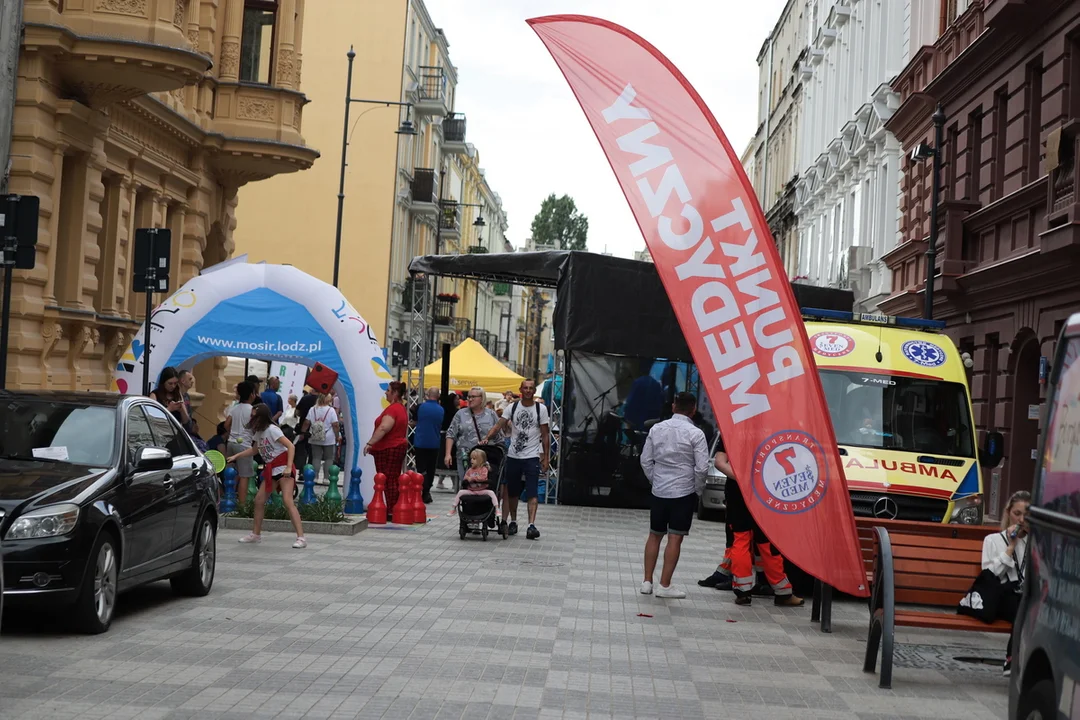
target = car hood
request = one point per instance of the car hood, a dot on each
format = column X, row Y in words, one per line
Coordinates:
column 43, row 482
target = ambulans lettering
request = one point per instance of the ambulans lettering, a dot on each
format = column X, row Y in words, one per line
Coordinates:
column 740, row 297
column 911, row 468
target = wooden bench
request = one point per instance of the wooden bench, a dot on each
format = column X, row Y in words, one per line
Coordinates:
column 821, row 607
column 914, row 569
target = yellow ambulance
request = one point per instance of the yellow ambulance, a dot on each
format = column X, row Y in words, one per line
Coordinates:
column 898, row 395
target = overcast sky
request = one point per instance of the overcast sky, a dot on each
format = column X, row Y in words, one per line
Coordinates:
column 532, row 136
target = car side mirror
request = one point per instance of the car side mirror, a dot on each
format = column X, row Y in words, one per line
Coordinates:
column 990, row 455
column 151, row 459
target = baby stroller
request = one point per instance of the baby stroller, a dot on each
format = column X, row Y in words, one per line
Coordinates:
column 476, row 511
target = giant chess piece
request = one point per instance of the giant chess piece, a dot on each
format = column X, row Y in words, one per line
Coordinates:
column 354, row 503
column 419, row 508
column 308, row 497
column 376, row 512
column 333, row 494
column 403, row 512
column 228, row 504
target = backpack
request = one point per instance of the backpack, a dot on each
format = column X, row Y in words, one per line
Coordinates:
column 317, row 431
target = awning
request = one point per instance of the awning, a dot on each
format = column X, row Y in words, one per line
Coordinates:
column 471, row 365
column 534, row 269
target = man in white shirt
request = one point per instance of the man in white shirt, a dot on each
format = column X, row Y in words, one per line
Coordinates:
column 530, row 448
column 676, row 461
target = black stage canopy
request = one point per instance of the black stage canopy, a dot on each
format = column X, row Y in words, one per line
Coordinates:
column 606, row 305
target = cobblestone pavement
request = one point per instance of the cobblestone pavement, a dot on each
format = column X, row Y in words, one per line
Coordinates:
column 399, row 623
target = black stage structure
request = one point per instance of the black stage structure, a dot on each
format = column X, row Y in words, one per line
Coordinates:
column 615, row 330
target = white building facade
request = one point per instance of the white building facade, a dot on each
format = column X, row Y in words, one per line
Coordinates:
column 847, row 197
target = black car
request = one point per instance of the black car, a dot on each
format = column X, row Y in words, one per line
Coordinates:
column 100, row 493
column 1045, row 679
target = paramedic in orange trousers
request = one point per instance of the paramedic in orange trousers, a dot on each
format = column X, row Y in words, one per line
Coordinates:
column 746, row 535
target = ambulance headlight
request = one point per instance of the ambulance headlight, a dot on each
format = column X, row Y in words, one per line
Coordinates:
column 967, row 511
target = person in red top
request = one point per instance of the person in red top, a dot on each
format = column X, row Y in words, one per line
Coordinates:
column 388, row 443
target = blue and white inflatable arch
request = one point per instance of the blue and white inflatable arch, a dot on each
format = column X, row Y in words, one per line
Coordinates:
column 269, row 312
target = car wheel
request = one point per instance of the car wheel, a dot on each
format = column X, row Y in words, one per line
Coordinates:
column 97, row 599
column 197, row 580
column 1038, row 702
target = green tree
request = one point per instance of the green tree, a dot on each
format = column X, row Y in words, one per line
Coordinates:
column 560, row 223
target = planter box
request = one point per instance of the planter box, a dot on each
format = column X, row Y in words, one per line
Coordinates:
column 352, row 525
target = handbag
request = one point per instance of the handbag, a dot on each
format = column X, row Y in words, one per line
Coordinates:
column 984, row 598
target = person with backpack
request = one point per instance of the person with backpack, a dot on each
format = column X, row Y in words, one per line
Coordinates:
column 323, row 432
column 530, row 450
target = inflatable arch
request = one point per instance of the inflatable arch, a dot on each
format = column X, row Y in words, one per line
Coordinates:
column 269, row 312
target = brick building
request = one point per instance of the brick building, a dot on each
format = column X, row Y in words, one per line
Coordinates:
column 1007, row 75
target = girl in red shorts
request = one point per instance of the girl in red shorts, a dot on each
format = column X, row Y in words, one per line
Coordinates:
column 278, row 453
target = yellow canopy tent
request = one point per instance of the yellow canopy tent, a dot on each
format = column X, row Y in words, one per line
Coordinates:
column 472, row 365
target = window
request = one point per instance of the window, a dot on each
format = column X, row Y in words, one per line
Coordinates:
column 1034, row 128
column 894, row 412
column 1059, row 481
column 257, row 42
column 166, row 434
column 58, row 432
column 1001, row 125
column 947, row 15
column 974, row 165
column 138, row 433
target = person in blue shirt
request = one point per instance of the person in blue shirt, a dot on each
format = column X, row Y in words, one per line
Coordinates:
column 426, row 439
column 646, row 399
column 272, row 399
column 219, row 440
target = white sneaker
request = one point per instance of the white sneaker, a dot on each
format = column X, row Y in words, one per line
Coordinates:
column 646, row 588
column 250, row 538
column 670, row 592
column 300, row 543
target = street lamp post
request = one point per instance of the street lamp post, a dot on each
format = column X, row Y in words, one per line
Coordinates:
column 935, row 199
column 922, row 152
column 406, row 128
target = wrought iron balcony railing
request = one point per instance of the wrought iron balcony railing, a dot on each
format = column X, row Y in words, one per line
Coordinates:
column 453, row 128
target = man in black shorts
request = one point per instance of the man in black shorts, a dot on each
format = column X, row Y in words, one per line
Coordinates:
column 675, row 460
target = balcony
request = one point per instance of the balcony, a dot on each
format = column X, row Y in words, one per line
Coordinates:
column 107, row 52
column 431, row 95
column 453, row 132
column 256, row 132
column 424, row 198
column 444, row 312
column 450, row 221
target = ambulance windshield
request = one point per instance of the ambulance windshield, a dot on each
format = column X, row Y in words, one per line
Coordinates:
column 899, row 413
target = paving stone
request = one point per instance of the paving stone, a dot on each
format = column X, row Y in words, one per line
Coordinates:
column 422, row 625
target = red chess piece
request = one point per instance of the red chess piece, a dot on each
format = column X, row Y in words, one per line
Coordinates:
column 403, row 512
column 419, row 508
column 376, row 512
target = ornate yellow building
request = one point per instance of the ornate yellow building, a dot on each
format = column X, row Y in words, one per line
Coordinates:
column 131, row 114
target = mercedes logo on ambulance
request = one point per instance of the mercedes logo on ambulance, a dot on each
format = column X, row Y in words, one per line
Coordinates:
column 886, row 508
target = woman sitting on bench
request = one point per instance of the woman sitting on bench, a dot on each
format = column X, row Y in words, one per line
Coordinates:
column 1004, row 554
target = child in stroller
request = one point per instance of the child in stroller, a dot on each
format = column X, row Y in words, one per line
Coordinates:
column 477, row 501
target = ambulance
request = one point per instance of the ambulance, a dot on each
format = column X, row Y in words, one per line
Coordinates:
column 898, row 395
